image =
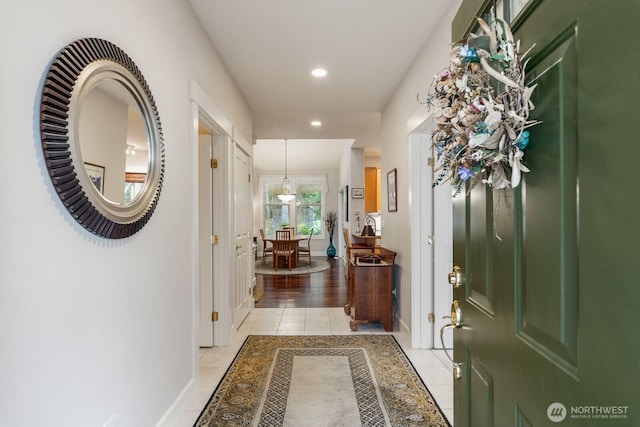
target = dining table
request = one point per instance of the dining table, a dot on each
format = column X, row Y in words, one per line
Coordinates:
column 294, row 240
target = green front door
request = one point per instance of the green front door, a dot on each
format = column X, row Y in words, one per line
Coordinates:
column 550, row 298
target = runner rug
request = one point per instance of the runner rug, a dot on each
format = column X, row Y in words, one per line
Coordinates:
column 350, row 380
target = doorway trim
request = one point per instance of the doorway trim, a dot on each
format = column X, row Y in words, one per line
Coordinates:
column 203, row 108
column 431, row 242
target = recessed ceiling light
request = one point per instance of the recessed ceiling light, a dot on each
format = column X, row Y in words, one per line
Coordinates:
column 319, row 72
column 316, row 123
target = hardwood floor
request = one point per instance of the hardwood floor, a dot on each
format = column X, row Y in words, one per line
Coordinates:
column 325, row 289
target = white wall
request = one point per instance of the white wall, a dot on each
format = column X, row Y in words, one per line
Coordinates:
column 356, row 181
column 396, row 232
column 91, row 329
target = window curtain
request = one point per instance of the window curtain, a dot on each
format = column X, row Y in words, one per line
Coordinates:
column 319, row 179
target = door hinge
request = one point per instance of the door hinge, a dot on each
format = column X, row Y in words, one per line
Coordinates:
column 214, row 163
column 249, row 177
column 431, row 161
column 431, row 318
column 214, row 316
column 214, row 239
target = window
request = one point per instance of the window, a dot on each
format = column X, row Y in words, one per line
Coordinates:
column 305, row 212
column 276, row 213
column 309, row 209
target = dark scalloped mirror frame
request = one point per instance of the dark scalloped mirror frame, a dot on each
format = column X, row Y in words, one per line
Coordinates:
column 56, row 122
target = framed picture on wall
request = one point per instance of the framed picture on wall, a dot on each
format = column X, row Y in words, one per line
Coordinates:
column 345, row 201
column 96, row 173
column 357, row 193
column 392, row 190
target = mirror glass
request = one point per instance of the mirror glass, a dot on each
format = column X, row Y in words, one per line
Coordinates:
column 113, row 142
column 102, row 138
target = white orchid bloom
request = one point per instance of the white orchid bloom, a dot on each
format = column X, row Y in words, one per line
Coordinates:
column 515, row 161
column 478, row 139
column 497, row 179
column 461, row 84
column 493, row 119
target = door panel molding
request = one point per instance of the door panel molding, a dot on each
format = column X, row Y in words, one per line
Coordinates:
column 481, row 391
column 479, row 259
column 521, row 418
column 546, row 279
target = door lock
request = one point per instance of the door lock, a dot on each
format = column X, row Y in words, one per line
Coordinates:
column 457, row 370
column 455, row 277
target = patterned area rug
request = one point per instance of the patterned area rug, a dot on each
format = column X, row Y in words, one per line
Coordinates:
column 343, row 380
column 304, row 267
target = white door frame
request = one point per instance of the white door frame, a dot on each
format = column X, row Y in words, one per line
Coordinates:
column 203, row 109
column 431, row 243
column 242, row 238
column 206, row 266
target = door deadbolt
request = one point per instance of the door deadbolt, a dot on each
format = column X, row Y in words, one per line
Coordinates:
column 455, row 277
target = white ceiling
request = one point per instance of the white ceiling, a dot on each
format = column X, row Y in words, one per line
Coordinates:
column 271, row 46
column 303, row 155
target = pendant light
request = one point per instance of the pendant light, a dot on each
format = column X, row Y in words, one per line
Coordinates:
column 286, row 192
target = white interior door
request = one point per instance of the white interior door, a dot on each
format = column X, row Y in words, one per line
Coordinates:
column 431, row 245
column 442, row 261
column 205, row 260
column 243, row 249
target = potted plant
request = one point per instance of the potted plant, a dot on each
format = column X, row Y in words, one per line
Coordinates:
column 330, row 220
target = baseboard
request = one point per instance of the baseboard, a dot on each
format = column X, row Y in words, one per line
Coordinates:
column 403, row 326
column 319, row 254
column 172, row 416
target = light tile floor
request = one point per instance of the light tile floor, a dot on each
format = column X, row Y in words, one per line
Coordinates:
column 432, row 365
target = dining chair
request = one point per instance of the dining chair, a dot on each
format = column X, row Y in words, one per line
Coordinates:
column 284, row 234
column 306, row 249
column 266, row 247
column 283, row 248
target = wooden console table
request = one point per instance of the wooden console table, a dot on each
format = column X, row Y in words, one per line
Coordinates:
column 372, row 241
column 370, row 289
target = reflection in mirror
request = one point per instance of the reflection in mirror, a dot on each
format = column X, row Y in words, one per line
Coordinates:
column 113, row 135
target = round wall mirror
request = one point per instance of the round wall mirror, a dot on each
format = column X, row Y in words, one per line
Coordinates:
column 101, row 138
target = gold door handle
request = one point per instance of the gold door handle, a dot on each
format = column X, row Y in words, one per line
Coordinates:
column 456, row 315
column 455, row 277
column 456, row 322
column 238, row 247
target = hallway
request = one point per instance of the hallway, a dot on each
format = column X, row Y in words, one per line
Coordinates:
column 312, row 304
column 318, row 290
column 432, row 365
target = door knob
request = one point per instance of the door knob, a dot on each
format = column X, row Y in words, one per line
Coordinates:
column 456, row 315
column 455, row 277
column 238, row 247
